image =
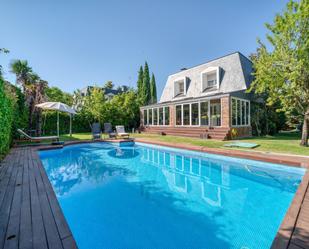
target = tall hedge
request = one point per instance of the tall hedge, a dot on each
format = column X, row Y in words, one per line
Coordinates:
column 6, row 120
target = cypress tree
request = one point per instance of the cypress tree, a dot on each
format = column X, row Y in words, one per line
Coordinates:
column 146, row 85
column 140, row 83
column 153, row 89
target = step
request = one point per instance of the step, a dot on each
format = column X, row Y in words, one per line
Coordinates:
column 187, row 131
column 221, row 136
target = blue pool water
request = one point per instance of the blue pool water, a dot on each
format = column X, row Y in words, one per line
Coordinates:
column 142, row 196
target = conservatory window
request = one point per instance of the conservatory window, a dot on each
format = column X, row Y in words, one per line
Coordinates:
column 150, row 116
column 155, row 116
column 166, row 115
column 145, row 117
column 240, row 112
column 161, row 116
column 234, row 107
column 186, row 114
column 204, row 113
column 194, row 114
column 178, row 115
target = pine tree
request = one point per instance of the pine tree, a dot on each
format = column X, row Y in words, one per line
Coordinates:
column 153, row 90
column 146, row 86
column 140, row 83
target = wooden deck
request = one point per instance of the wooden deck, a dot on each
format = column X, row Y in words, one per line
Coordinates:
column 30, row 215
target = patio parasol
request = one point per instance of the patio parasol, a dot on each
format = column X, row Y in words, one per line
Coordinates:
column 59, row 107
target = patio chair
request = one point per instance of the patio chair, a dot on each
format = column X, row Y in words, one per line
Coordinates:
column 96, row 131
column 37, row 139
column 121, row 132
column 108, row 129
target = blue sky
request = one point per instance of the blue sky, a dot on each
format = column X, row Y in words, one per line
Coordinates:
column 74, row 43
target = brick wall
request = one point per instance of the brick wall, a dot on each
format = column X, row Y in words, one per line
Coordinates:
column 172, row 115
column 225, row 109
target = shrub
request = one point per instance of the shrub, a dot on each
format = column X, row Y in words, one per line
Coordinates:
column 6, row 120
column 13, row 114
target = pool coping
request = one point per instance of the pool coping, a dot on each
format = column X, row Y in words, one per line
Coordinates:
column 288, row 224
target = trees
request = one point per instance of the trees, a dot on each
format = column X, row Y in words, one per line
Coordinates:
column 140, row 83
column 153, row 90
column 94, row 105
column 33, row 88
column 22, row 71
column 6, row 119
column 146, row 86
column 57, row 95
column 282, row 71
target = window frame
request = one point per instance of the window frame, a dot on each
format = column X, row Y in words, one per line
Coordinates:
column 164, row 115
column 152, row 110
column 247, row 118
column 208, row 71
column 184, row 79
column 199, row 111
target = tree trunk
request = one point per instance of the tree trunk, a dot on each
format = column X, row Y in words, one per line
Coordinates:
column 304, row 136
column 39, row 122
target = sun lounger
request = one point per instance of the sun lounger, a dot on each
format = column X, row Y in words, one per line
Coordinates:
column 121, row 132
column 109, row 130
column 37, row 139
column 96, row 131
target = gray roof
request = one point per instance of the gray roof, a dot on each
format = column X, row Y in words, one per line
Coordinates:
column 235, row 75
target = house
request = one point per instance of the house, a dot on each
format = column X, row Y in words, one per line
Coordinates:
column 109, row 93
column 207, row 101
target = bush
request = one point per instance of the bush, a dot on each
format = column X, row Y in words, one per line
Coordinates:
column 6, row 120
column 13, row 114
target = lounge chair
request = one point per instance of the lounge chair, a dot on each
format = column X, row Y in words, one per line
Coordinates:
column 121, row 132
column 37, row 139
column 96, row 131
column 109, row 130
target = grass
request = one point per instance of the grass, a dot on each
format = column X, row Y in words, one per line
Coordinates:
column 286, row 143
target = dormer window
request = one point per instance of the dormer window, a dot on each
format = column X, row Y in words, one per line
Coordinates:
column 180, row 87
column 210, row 79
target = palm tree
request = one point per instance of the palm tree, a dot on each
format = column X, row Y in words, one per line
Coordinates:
column 23, row 73
column 33, row 88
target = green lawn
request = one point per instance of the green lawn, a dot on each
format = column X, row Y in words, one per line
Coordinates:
column 287, row 143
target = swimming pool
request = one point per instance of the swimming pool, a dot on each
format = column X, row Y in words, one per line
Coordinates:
column 145, row 196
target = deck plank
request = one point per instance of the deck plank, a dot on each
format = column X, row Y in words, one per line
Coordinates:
column 38, row 231
column 14, row 218
column 6, row 204
column 53, row 238
column 62, row 226
column 25, row 238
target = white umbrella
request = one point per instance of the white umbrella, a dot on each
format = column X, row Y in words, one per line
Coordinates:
column 59, row 107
